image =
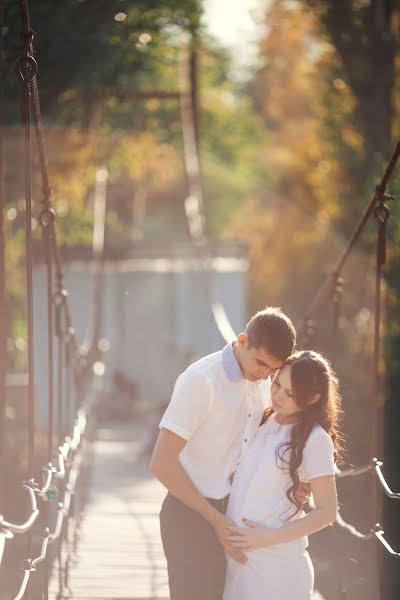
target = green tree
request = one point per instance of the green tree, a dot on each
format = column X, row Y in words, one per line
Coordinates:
column 366, row 38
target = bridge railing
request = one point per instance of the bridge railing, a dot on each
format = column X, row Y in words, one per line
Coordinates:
column 331, row 291
column 69, row 371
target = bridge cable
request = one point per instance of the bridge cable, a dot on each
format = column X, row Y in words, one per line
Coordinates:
column 194, row 203
column 69, row 457
column 99, row 216
column 332, row 289
column 327, row 287
column 26, row 69
column 3, row 327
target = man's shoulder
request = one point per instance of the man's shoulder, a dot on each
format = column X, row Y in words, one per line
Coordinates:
column 207, row 366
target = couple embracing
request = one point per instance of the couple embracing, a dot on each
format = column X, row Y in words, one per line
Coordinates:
column 251, row 431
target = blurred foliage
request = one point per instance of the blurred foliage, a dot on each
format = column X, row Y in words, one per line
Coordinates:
column 286, row 160
column 122, row 43
column 366, row 38
column 88, row 77
column 302, row 213
column 283, row 159
column 328, row 91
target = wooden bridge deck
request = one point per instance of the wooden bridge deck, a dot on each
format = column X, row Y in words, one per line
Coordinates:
column 120, row 552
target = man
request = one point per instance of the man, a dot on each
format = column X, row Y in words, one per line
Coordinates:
column 215, row 410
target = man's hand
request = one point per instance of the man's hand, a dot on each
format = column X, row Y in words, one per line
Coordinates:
column 303, row 492
column 222, row 527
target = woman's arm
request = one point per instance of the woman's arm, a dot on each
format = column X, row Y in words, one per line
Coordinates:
column 257, row 536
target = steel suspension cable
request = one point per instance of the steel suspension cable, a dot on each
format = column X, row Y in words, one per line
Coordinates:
column 68, row 383
column 26, row 68
column 336, row 301
column 327, row 287
column 47, row 215
column 68, row 404
column 37, row 117
column 59, row 299
column 63, row 564
column 3, row 331
column 44, row 221
column 382, row 214
column 99, row 216
column 50, row 336
column 194, row 203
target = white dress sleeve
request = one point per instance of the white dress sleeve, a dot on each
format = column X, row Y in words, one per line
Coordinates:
column 317, row 456
column 189, row 406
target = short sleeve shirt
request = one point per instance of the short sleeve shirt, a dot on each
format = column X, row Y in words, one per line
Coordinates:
column 260, row 484
column 317, row 456
column 218, row 412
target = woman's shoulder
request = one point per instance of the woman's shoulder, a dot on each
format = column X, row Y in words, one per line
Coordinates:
column 319, row 435
column 318, row 455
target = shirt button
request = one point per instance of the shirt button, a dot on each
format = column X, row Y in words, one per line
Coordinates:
column 249, row 414
column 245, row 439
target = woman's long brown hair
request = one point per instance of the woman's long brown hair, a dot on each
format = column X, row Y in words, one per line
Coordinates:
column 311, row 374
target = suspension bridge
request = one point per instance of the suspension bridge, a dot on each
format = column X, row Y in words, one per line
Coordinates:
column 91, row 527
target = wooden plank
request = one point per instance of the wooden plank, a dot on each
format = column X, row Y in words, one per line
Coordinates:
column 120, row 551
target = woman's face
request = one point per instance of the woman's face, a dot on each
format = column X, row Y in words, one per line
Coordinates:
column 282, row 398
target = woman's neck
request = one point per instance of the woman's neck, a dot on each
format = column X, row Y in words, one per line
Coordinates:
column 287, row 420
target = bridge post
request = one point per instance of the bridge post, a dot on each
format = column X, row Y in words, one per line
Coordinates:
column 3, row 320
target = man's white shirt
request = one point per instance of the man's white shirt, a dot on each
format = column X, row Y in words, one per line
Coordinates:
column 218, row 412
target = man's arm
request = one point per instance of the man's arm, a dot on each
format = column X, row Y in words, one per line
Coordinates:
column 166, row 467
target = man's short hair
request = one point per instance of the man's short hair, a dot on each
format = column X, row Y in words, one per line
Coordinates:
column 273, row 330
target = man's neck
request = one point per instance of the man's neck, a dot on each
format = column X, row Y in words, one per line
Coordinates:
column 236, row 352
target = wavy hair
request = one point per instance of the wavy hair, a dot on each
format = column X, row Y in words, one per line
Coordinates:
column 311, row 374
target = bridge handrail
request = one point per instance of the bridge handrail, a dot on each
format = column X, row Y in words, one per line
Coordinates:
column 376, row 532
column 375, row 465
column 24, row 527
column 50, row 537
column 383, row 482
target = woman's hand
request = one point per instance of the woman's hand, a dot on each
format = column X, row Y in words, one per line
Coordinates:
column 222, row 525
column 255, row 536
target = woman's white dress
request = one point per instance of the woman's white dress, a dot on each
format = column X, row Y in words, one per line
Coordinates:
column 282, row 571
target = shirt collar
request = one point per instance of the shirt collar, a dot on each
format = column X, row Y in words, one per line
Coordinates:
column 230, row 364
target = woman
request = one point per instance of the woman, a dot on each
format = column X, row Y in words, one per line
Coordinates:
column 297, row 441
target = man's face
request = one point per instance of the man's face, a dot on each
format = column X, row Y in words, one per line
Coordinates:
column 256, row 363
